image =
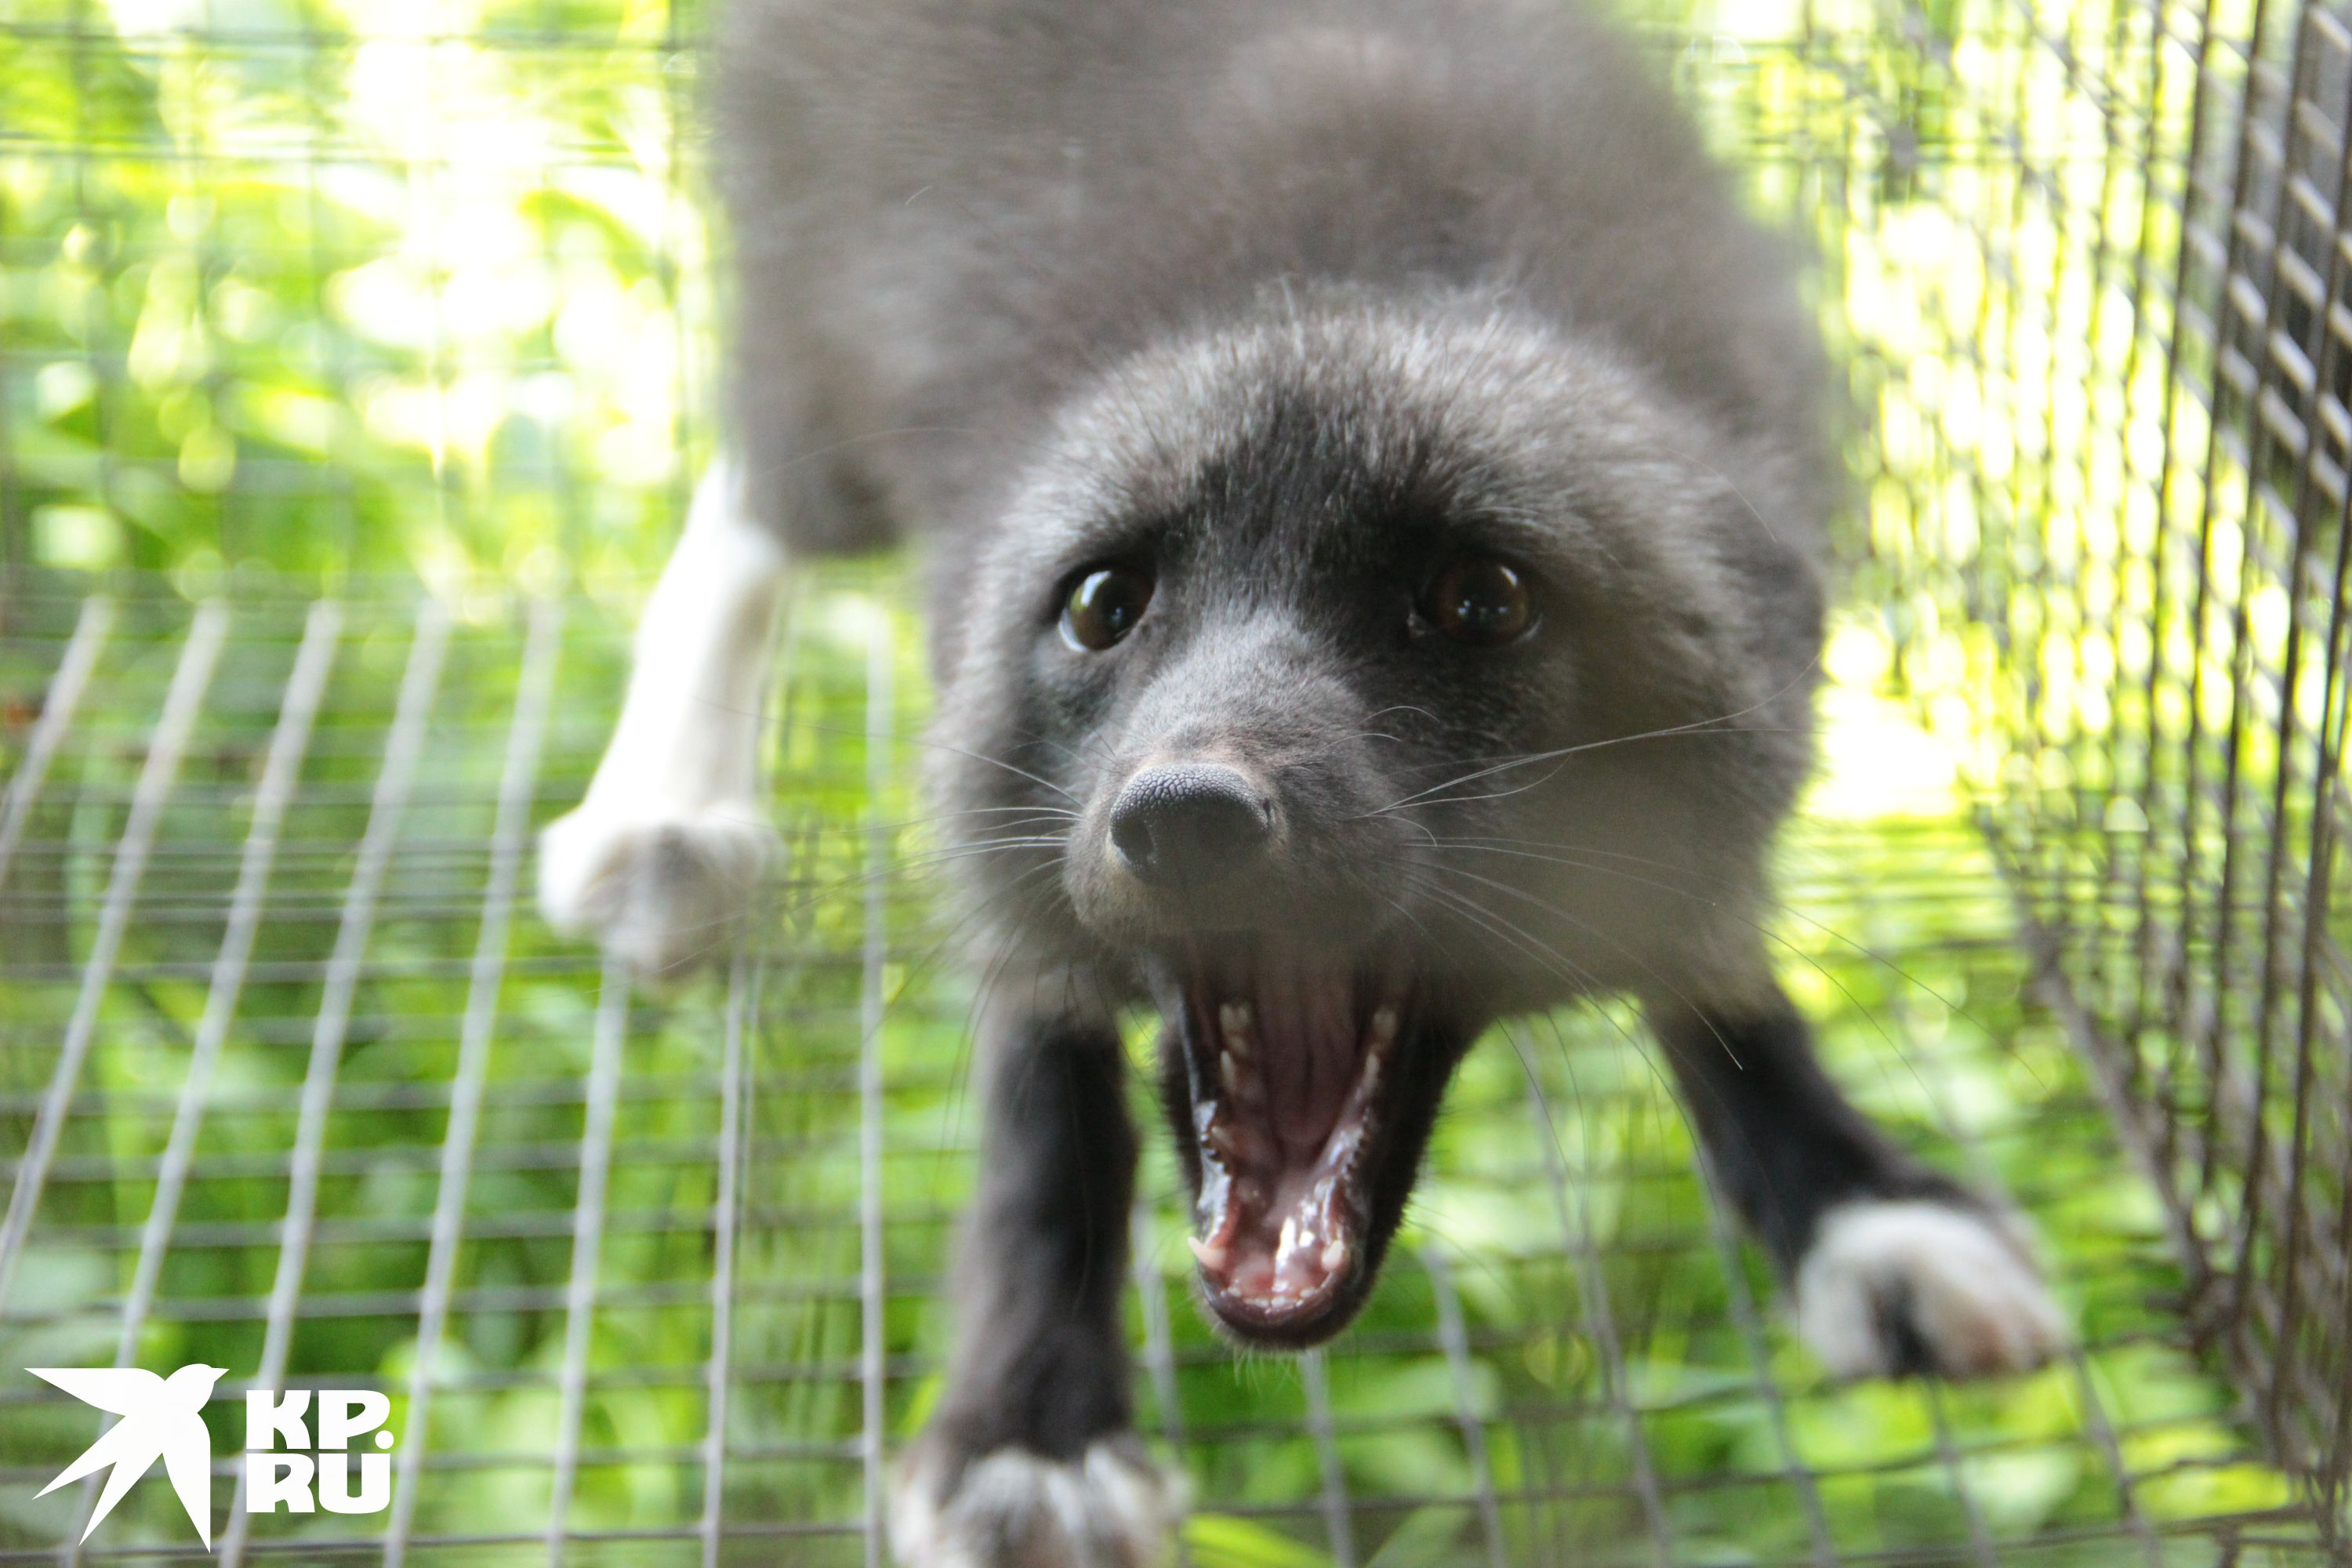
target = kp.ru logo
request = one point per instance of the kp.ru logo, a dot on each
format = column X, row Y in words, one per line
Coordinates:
column 162, row 1419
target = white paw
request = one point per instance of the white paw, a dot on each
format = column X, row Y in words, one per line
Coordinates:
column 661, row 894
column 1013, row 1509
column 1893, row 1287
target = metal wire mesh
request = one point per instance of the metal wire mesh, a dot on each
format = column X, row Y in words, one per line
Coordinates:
column 297, row 1090
column 291, row 1079
column 2123, row 535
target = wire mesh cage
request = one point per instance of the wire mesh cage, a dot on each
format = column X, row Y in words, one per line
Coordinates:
column 2130, row 528
column 292, row 1082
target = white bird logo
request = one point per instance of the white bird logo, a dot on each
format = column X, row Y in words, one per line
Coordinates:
column 162, row 1418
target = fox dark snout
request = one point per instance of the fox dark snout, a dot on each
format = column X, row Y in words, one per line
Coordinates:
column 1246, row 797
column 1181, row 825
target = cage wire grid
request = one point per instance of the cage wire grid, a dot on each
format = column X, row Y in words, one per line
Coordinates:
column 292, row 1080
column 2150, row 548
column 781, row 1171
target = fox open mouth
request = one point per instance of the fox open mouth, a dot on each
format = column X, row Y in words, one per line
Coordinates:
column 1291, row 1066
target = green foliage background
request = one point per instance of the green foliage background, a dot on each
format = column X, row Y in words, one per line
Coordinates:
column 341, row 289
column 313, row 294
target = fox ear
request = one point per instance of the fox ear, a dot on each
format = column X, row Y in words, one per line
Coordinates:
column 120, row 1389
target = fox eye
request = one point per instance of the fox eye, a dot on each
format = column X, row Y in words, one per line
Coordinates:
column 1480, row 602
column 1103, row 606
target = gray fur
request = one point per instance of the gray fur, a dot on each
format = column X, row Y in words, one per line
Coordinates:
column 1291, row 303
column 1012, row 272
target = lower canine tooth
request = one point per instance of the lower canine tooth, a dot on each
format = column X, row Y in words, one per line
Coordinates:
column 1209, row 1255
column 1334, row 1255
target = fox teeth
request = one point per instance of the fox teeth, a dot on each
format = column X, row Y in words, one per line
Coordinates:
column 1232, row 1143
column 1238, row 1083
column 1238, row 1020
column 1381, row 1035
column 1211, row 1254
column 1334, row 1255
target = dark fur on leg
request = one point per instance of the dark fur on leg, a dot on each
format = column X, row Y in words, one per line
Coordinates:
column 1030, row 1459
column 1781, row 1137
column 1896, row 1269
column 1041, row 1362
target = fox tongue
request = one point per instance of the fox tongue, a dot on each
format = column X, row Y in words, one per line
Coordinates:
column 1308, row 1026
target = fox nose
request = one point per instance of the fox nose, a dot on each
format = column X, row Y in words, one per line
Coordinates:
column 1189, row 823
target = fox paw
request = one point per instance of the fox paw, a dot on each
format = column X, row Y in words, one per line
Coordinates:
column 661, row 895
column 1899, row 1287
column 1109, row 1507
